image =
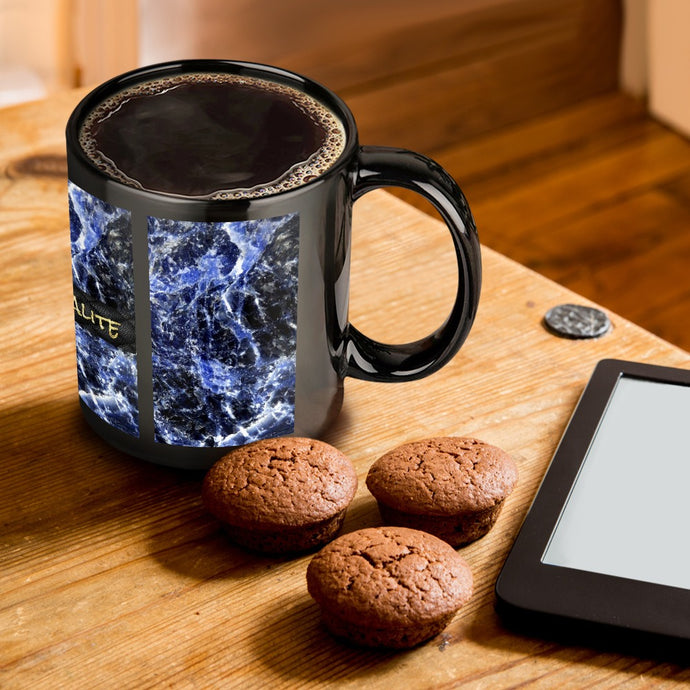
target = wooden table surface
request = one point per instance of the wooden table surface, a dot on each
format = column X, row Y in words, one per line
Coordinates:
column 111, row 573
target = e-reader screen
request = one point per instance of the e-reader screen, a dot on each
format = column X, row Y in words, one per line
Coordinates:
column 628, row 513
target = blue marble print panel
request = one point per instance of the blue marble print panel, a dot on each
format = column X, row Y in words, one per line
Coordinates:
column 223, row 329
column 107, row 381
column 102, row 269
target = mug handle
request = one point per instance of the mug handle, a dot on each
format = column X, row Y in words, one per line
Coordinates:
column 381, row 166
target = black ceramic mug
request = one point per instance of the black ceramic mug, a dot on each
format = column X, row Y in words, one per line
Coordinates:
column 210, row 213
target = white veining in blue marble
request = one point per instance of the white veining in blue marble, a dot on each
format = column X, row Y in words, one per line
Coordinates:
column 223, row 329
column 101, row 239
column 107, row 381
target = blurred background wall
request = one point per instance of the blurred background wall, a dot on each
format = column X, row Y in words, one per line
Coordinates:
column 491, row 61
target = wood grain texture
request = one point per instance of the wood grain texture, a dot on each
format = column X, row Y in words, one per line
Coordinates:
column 595, row 196
column 416, row 75
column 112, row 575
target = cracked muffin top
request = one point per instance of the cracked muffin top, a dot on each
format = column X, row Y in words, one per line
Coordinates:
column 443, row 476
column 290, row 482
column 389, row 576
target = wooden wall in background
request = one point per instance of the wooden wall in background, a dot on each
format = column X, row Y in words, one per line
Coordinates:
column 416, row 74
column 60, row 44
column 35, row 55
column 105, row 38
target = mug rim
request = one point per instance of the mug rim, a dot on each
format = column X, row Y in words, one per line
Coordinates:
column 85, row 168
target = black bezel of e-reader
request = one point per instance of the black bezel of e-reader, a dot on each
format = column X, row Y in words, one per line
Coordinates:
column 575, row 606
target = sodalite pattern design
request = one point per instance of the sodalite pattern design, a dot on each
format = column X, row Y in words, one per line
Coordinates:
column 101, row 238
column 223, row 329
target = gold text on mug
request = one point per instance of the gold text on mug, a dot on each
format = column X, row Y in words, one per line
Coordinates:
column 104, row 323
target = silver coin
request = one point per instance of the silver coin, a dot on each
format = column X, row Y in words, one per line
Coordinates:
column 577, row 321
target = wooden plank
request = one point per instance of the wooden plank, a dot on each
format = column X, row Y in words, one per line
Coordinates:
column 416, row 75
column 358, row 43
column 105, row 39
column 588, row 196
column 564, row 194
column 679, row 188
column 350, row 45
column 521, row 154
column 460, row 100
column 647, row 278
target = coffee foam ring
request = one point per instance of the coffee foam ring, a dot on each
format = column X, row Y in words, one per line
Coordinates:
column 295, row 177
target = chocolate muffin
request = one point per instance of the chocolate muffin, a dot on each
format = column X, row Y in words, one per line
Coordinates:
column 388, row 586
column 452, row 487
column 281, row 495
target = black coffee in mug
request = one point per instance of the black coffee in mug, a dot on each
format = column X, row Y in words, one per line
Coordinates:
column 212, row 136
column 210, row 216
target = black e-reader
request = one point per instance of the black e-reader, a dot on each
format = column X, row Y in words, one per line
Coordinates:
column 603, row 555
